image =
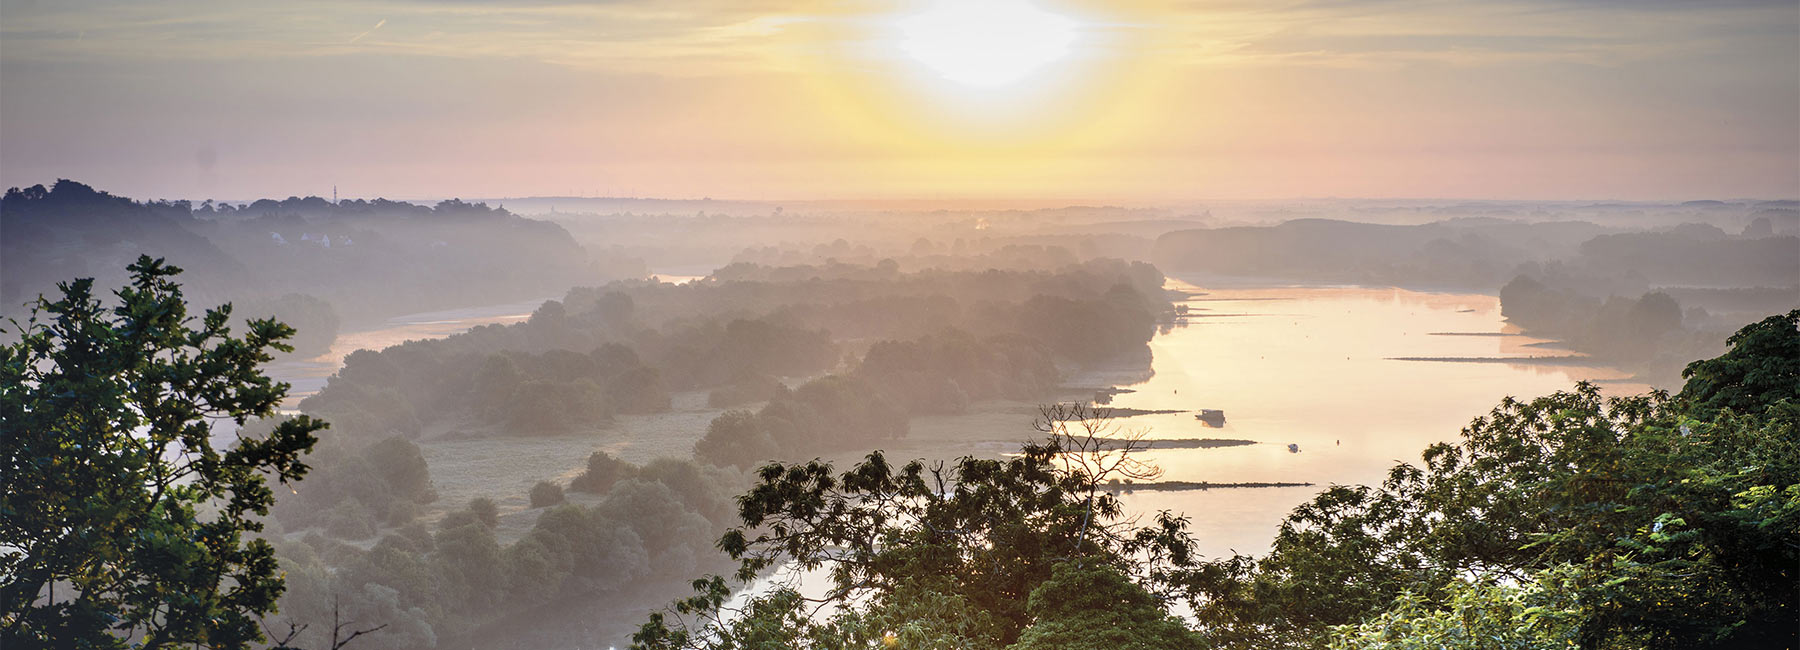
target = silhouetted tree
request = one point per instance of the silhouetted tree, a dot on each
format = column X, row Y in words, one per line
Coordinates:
column 123, row 525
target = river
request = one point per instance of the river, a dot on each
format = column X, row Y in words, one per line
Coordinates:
column 1317, row 367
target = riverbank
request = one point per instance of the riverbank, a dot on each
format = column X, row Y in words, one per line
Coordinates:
column 306, row 376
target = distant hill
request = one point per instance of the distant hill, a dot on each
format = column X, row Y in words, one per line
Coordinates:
column 1482, row 254
column 366, row 259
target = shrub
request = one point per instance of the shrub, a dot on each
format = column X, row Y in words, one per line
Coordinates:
column 546, row 493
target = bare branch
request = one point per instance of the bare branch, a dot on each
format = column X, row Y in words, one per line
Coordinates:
column 337, row 628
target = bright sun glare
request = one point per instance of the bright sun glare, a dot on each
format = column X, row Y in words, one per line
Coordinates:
column 986, row 42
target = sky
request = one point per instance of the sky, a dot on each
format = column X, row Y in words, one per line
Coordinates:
column 1139, row 101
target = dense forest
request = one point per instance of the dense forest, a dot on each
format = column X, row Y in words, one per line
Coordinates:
column 812, row 359
column 622, row 347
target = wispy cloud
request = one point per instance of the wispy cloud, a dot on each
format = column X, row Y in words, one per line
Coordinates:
column 1362, row 33
column 624, row 36
column 716, row 36
column 378, row 25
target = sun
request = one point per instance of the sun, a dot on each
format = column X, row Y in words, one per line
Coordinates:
column 986, row 42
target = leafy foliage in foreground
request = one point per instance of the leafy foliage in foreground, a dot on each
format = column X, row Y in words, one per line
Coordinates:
column 1474, row 616
column 121, row 524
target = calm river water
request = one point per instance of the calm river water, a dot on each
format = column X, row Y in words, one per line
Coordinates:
column 1316, row 368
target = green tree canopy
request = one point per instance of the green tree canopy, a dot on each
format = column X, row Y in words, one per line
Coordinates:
column 122, row 524
column 1472, row 616
column 1762, row 367
column 973, row 554
column 1095, row 607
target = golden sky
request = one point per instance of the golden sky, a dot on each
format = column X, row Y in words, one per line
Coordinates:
column 1128, row 102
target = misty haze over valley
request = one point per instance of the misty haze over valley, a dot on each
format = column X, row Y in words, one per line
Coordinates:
column 900, row 325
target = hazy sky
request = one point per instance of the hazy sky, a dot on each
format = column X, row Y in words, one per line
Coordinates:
column 1117, row 101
